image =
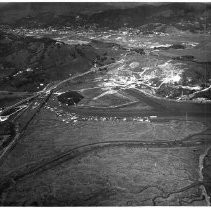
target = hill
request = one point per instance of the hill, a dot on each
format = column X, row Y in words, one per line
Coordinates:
column 29, row 63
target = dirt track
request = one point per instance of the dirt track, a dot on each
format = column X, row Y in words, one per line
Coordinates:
column 164, row 166
column 114, row 162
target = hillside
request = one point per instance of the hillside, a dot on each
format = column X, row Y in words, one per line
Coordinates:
column 28, row 63
column 111, row 15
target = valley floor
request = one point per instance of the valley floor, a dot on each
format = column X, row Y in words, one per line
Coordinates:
column 126, row 141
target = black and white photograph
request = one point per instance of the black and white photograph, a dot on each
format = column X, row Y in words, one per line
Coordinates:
column 105, row 104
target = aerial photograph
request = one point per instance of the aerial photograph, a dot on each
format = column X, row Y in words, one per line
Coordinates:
column 105, row 104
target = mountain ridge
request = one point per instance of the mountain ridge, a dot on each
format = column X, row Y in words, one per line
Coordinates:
column 81, row 14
